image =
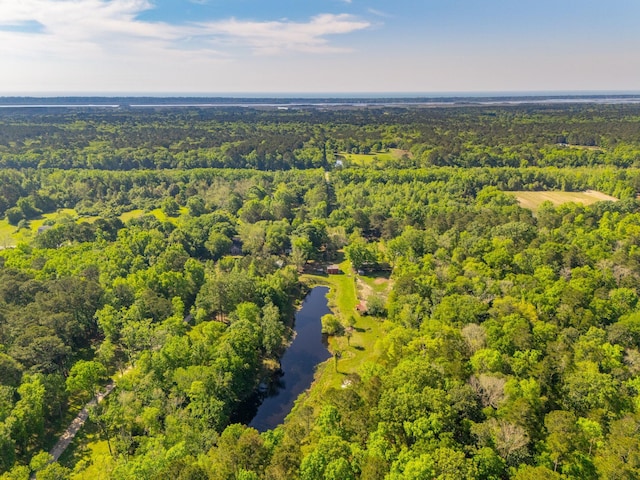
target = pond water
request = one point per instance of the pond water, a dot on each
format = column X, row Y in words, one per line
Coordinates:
column 268, row 408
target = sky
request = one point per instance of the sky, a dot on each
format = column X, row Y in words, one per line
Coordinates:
column 195, row 47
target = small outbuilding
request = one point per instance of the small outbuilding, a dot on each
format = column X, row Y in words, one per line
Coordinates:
column 333, row 270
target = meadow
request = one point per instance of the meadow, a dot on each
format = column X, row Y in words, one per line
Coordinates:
column 533, row 200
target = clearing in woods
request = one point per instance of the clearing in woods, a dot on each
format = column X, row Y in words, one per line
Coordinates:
column 11, row 235
column 346, row 291
column 533, row 200
column 365, row 159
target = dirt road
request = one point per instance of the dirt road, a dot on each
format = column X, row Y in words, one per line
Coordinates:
column 69, row 434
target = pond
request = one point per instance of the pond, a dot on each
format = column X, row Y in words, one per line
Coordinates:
column 268, row 408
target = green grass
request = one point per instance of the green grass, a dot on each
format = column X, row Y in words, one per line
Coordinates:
column 533, row 200
column 96, row 464
column 10, row 236
column 361, row 347
column 160, row 215
column 366, row 159
column 378, row 282
column 131, row 214
column 88, row 456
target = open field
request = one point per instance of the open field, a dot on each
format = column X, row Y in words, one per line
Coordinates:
column 533, row 200
column 158, row 213
column 582, row 147
column 365, row 159
column 10, row 235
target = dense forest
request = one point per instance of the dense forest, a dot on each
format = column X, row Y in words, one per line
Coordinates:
column 559, row 136
column 167, row 250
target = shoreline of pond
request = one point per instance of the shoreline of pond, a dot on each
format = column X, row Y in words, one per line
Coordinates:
column 275, row 396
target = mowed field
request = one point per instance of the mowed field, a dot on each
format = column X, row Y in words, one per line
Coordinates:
column 10, row 235
column 533, row 200
column 365, row 159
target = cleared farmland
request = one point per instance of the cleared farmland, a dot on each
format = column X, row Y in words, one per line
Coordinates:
column 533, row 200
column 366, row 159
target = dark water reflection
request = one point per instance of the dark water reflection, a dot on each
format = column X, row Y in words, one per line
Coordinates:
column 268, row 408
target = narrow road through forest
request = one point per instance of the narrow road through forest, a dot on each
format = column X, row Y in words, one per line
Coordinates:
column 74, row 427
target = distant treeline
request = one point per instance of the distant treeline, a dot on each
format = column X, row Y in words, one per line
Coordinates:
column 268, row 139
column 27, row 194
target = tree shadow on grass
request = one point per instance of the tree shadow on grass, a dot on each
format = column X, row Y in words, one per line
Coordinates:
column 78, row 451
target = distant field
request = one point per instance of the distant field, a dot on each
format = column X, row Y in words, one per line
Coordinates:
column 158, row 213
column 583, row 147
column 364, row 159
column 532, row 200
column 10, row 236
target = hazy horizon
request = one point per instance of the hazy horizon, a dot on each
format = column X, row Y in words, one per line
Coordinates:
column 322, row 95
column 186, row 47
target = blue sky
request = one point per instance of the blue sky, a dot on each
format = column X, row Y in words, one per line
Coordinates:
column 298, row 46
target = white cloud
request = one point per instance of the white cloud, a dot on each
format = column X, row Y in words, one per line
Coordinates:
column 278, row 36
column 70, row 27
column 379, row 13
column 104, row 45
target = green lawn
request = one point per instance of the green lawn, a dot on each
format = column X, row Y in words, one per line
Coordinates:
column 10, row 235
column 88, row 454
column 158, row 213
column 366, row 159
column 378, row 282
column 131, row 214
column 361, row 347
column 89, row 457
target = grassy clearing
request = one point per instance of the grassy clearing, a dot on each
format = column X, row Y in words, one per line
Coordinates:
column 533, row 200
column 88, row 456
column 378, row 282
column 10, row 235
column 160, row 215
column 584, row 147
column 131, row 214
column 366, row 159
column 360, row 349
